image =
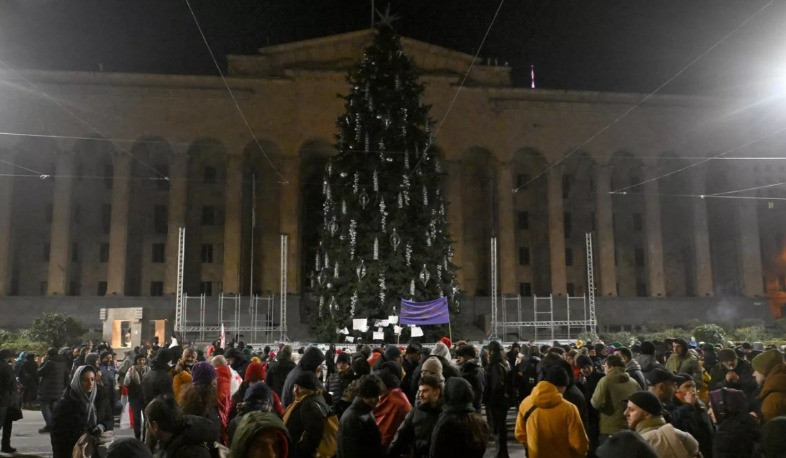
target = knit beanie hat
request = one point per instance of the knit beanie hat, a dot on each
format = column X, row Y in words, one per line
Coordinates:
column 254, row 372
column 766, row 361
column 344, row 358
column 91, row 359
column 727, row 354
column 440, row 349
column 128, row 447
column 647, row 402
column 446, row 341
column 307, row 380
column 203, row 373
column 392, row 352
column 773, row 437
column 413, row 348
column 361, row 367
column 257, row 392
column 647, row 348
column 583, row 361
column 432, row 365
column 628, row 444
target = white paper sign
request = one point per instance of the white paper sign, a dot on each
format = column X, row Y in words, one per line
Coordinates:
column 380, row 330
column 416, row 331
column 379, row 336
column 393, row 319
column 349, row 339
column 344, row 331
column 397, row 330
column 383, row 323
column 360, row 324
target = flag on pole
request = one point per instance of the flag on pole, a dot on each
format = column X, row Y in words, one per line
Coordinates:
column 223, row 337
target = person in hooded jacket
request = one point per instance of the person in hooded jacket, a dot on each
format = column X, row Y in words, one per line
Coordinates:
column 414, row 434
column 358, row 434
column 340, row 379
column 237, row 360
column 647, row 360
column 393, row 406
column 769, row 370
column 732, row 372
column 612, row 390
column 690, row 415
column 632, row 367
column 496, row 395
column 547, row 424
column 54, row 378
column 471, row 371
column 460, row 430
column 158, row 381
column 179, row 435
column 278, row 371
column 440, row 352
column 738, row 434
column 311, row 360
column 136, row 399
column 305, row 416
column 682, row 362
column 257, row 398
column 82, row 409
column 260, row 434
column 572, row 393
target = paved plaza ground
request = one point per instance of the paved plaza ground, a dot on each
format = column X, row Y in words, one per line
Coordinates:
column 29, row 443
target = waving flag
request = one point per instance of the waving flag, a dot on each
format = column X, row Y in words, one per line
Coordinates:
column 421, row 313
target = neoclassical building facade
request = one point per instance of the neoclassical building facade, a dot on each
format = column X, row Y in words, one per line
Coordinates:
column 99, row 170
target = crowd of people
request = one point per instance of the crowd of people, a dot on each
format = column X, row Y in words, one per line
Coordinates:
column 650, row 399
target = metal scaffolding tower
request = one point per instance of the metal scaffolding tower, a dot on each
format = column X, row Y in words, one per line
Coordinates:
column 494, row 273
column 593, row 321
column 180, row 319
column 283, row 297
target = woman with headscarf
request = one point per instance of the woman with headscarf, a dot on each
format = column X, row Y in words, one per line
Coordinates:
column 201, row 399
column 82, row 409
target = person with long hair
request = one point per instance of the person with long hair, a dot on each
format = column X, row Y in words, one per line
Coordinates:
column 460, row 430
column 200, row 399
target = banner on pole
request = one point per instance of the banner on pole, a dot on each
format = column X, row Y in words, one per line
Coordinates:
column 422, row 313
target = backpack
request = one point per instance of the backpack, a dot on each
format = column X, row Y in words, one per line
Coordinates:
column 328, row 446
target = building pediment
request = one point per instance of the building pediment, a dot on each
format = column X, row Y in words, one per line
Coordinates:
column 337, row 53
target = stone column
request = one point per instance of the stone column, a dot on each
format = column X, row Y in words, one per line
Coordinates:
column 176, row 217
column 654, row 238
column 290, row 217
column 604, row 234
column 556, row 232
column 60, row 238
column 506, row 233
column 6, row 210
column 118, row 229
column 701, row 241
column 232, row 223
column 455, row 209
column 750, row 250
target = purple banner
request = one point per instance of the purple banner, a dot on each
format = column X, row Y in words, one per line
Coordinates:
column 420, row 313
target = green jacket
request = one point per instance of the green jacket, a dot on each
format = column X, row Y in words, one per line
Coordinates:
column 687, row 364
column 615, row 387
column 251, row 424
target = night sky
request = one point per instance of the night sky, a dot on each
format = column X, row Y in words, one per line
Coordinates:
column 609, row 45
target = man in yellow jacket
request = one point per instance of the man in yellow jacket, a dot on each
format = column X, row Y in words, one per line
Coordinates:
column 548, row 425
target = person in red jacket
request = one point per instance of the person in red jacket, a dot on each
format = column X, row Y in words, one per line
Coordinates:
column 393, row 406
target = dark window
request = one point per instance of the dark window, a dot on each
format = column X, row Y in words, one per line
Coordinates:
column 75, row 253
column 523, row 256
column 523, row 220
column 209, row 175
column 160, row 219
column 592, row 221
column 156, row 288
column 103, row 252
column 639, row 254
column 641, row 289
column 101, row 288
column 521, row 179
column 45, row 253
column 208, row 215
column 571, row 289
column 109, row 173
column 566, row 180
column 525, row 289
column 207, row 253
column 158, row 252
column 43, row 286
column 73, row 288
column 637, row 224
column 567, row 224
column 106, row 218
column 48, row 216
column 568, row 256
column 206, row 288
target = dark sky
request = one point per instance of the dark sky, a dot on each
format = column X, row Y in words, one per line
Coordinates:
column 611, row 45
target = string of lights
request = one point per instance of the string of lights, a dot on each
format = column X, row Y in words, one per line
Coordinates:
column 646, row 97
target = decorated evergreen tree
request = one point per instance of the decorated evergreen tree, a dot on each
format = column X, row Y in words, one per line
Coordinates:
column 384, row 233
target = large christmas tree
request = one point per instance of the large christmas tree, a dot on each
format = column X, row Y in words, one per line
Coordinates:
column 384, row 234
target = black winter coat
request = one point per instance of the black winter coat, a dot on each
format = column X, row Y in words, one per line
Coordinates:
column 69, row 420
column 448, row 371
column 456, row 433
column 738, row 437
column 306, row 423
column 190, row 442
column 406, row 382
column 7, row 384
column 473, row 373
column 156, row 382
column 415, row 432
column 743, row 370
column 694, row 420
column 358, row 435
column 277, row 374
column 310, row 361
column 497, row 386
column 54, row 379
column 337, row 383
